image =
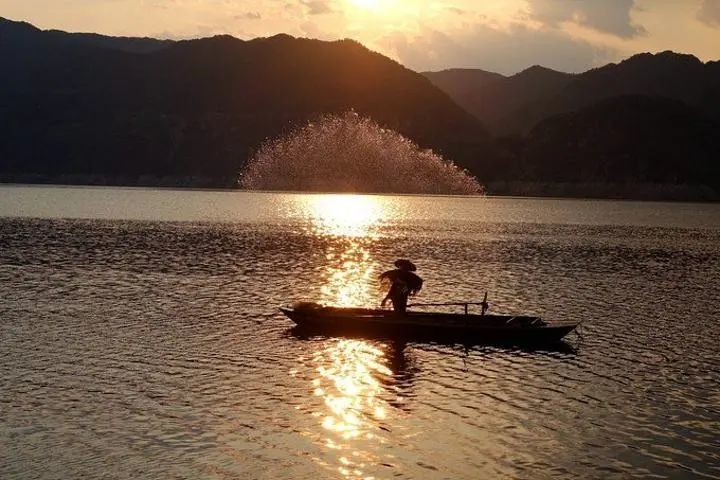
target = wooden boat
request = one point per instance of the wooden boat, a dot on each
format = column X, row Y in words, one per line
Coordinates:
column 483, row 328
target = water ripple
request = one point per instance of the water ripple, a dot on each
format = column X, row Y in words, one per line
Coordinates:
column 154, row 349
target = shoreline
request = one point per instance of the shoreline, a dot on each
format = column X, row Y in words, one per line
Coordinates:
column 498, row 189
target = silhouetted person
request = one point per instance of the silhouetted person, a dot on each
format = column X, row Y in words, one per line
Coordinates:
column 403, row 283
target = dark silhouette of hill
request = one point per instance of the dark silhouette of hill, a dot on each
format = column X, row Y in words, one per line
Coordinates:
column 126, row 44
column 517, row 103
column 502, row 103
column 88, row 104
column 14, row 31
column 464, row 85
column 624, row 139
column 649, row 120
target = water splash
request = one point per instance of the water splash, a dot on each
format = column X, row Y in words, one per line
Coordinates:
column 350, row 153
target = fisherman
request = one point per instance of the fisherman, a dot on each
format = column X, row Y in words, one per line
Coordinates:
column 403, row 283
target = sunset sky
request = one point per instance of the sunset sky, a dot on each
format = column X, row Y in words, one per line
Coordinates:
column 498, row 35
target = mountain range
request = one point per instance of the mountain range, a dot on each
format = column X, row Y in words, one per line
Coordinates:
column 653, row 118
column 81, row 103
column 512, row 105
column 89, row 104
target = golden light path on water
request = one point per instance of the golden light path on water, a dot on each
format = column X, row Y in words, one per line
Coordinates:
column 348, row 216
column 347, row 371
column 349, row 222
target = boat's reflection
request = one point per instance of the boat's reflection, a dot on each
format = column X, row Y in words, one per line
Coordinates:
column 395, row 365
column 466, row 346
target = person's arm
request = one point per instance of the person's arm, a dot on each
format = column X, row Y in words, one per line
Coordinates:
column 384, row 276
column 384, row 300
column 417, row 286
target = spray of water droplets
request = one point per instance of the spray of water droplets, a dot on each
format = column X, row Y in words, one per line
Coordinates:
column 351, row 153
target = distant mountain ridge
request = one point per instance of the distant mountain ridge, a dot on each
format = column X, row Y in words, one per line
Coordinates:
column 514, row 104
column 500, row 101
column 462, row 83
column 89, row 104
column 650, row 119
column 13, row 31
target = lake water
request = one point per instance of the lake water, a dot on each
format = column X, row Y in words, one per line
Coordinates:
column 140, row 338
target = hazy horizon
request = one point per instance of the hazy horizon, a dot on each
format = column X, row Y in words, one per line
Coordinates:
column 504, row 36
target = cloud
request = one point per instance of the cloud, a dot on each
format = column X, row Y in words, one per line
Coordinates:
column 317, row 7
column 456, row 10
column 310, row 29
column 608, row 16
column 249, row 16
column 709, row 13
column 505, row 51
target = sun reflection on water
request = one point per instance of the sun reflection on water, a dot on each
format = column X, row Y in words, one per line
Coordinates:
column 351, row 223
column 352, row 216
column 348, row 382
column 348, row 373
column 349, row 278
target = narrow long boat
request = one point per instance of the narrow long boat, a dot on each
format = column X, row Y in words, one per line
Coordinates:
column 514, row 329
